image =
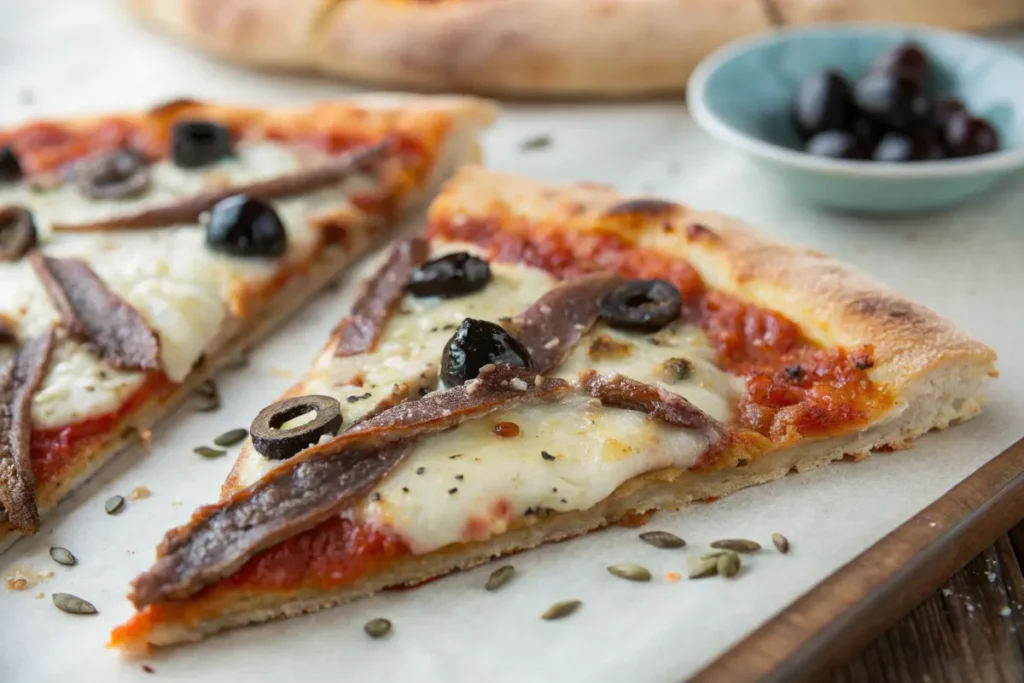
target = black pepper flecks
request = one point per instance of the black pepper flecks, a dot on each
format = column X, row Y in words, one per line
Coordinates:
column 565, row 501
column 405, row 489
column 794, row 373
column 554, row 489
column 375, row 496
column 421, row 470
column 457, row 455
column 459, row 477
column 546, row 455
column 528, row 512
column 453, row 490
column 353, row 399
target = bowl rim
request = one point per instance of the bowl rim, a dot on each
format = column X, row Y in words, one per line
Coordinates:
column 706, row 118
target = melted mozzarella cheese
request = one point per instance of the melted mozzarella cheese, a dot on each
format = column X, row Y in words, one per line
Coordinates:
column 181, row 287
column 468, row 484
column 596, row 449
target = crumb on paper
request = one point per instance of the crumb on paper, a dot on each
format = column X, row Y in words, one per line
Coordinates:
column 536, row 142
column 283, row 372
column 176, row 503
column 139, row 492
column 146, row 437
column 148, row 669
column 23, row 579
column 40, row 595
column 673, row 577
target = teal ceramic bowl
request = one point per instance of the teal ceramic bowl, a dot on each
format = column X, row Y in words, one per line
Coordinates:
column 741, row 95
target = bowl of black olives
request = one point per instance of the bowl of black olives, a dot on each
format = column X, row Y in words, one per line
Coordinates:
column 868, row 118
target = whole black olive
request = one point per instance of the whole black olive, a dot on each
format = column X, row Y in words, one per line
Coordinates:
column 280, row 444
column 199, row 143
column 18, row 234
column 245, row 226
column 890, row 98
column 117, row 174
column 907, row 59
column 868, row 133
column 837, row 144
column 944, row 108
column 641, row 305
column 896, row 147
column 823, row 102
column 477, row 343
column 968, row 136
column 450, row 276
column 10, row 167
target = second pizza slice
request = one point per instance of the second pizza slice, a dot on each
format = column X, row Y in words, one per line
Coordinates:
column 139, row 251
column 542, row 362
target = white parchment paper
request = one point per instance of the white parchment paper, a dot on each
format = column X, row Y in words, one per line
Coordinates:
column 71, row 56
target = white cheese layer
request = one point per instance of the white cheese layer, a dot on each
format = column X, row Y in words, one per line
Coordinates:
column 596, row 449
column 180, row 286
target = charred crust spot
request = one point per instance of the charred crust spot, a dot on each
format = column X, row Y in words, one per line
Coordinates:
column 334, row 230
column 882, row 306
column 699, row 231
column 605, row 346
column 794, row 373
column 173, row 107
column 643, row 206
column 862, row 360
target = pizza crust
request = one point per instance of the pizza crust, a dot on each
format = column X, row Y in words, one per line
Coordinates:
column 955, row 14
column 461, row 146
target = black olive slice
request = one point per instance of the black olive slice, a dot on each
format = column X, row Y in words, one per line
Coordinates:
column 450, row 276
column 641, row 305
column 119, row 174
column 245, row 226
column 10, row 167
column 280, row 444
column 17, row 233
column 477, row 343
column 199, row 143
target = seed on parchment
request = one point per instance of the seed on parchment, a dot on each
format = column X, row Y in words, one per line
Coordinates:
column 208, row 452
column 728, row 564
column 739, row 545
column 561, row 609
column 662, row 539
column 72, row 604
column 114, row 505
column 377, row 628
column 714, row 554
column 230, row 438
column 209, row 397
column 630, row 571
column 63, row 556
column 781, row 543
column 499, row 577
column 703, row 568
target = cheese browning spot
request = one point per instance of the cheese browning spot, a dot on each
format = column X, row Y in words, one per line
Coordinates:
column 605, row 347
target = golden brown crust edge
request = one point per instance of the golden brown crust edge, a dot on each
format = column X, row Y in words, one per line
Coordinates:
column 954, row 14
column 833, row 304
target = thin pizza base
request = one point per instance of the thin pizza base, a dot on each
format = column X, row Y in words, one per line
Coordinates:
column 604, row 48
column 934, row 371
column 460, row 146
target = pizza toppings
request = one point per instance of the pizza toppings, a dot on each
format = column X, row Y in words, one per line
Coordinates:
column 118, row 174
column 621, row 392
column 675, row 370
column 199, row 143
column 89, row 310
column 552, row 326
column 318, row 484
column 18, row 233
column 280, row 444
column 10, row 166
column 189, row 209
column 360, row 330
column 245, row 226
column 19, row 379
column 641, row 305
column 477, row 344
column 450, row 276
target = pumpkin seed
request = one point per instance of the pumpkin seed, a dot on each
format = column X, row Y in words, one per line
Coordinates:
column 703, row 568
column 72, row 604
column 230, row 438
column 714, row 554
column 210, row 397
column 114, row 505
column 728, row 564
column 63, row 556
column 208, row 452
column 739, row 545
column 377, row 628
column 662, row 539
column 561, row 609
column 781, row 543
column 499, row 577
column 628, row 570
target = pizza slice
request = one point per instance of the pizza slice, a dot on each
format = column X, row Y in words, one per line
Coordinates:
column 140, row 251
column 543, row 362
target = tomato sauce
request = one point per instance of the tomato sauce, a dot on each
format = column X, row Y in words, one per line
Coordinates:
column 53, row 451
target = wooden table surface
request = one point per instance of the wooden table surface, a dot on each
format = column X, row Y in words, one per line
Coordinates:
column 969, row 631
